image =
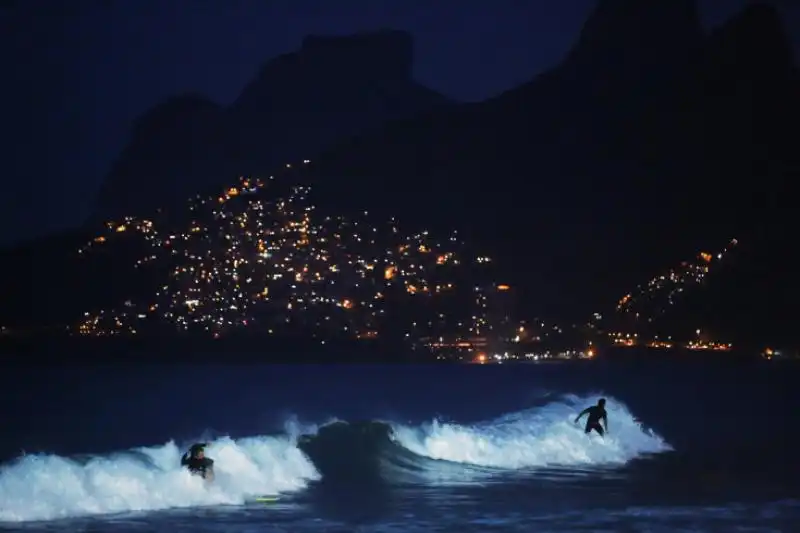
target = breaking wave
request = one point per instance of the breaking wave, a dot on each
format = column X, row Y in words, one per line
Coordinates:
column 538, row 437
column 543, row 437
column 46, row 487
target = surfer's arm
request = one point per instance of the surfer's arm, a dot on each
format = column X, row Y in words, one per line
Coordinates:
column 605, row 422
column 585, row 411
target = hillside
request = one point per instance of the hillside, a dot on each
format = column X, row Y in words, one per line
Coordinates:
column 650, row 142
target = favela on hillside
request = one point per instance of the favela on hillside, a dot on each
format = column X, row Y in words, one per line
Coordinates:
column 259, row 259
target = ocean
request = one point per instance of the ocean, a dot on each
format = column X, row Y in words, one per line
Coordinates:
column 694, row 445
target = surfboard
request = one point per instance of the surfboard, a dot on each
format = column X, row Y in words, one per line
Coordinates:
column 265, row 499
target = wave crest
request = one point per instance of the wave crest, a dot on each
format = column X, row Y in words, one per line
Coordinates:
column 46, row 487
column 537, row 437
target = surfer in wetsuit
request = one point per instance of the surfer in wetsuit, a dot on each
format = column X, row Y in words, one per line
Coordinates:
column 596, row 414
column 197, row 463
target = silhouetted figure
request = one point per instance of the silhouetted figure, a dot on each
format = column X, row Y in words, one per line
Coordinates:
column 197, row 463
column 596, row 413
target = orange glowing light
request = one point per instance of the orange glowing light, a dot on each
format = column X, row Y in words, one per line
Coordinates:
column 503, row 287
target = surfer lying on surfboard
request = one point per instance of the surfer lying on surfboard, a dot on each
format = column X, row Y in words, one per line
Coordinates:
column 197, row 463
column 596, row 414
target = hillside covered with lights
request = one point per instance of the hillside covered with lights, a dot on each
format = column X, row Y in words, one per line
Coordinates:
column 652, row 144
column 648, row 304
column 260, row 257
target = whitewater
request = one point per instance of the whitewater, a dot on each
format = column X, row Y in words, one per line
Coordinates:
column 45, row 487
column 535, row 437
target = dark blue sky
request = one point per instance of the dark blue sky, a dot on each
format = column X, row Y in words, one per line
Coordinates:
column 78, row 72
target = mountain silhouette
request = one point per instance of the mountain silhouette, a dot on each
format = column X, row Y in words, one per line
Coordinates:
column 650, row 141
column 298, row 104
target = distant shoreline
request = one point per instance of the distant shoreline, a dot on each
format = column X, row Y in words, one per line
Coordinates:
column 151, row 349
column 282, row 350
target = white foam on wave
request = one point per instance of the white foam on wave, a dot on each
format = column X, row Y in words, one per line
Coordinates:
column 538, row 437
column 47, row 487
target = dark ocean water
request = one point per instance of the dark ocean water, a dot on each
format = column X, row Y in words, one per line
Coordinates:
column 694, row 446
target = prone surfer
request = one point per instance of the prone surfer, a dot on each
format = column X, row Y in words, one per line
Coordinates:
column 596, row 414
column 197, row 463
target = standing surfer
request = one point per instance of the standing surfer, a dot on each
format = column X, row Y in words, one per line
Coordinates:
column 596, row 414
column 197, row 463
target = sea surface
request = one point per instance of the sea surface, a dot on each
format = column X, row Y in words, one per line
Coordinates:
column 694, row 445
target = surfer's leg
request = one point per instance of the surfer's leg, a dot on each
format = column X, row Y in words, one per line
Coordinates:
column 596, row 427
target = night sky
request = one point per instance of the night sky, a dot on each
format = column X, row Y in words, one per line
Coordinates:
column 79, row 74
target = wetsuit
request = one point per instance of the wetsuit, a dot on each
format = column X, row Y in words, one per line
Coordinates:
column 596, row 413
column 197, row 466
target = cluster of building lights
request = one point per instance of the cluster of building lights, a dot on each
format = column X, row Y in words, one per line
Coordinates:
column 252, row 257
column 632, row 339
column 482, row 358
column 259, row 256
column 654, row 298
